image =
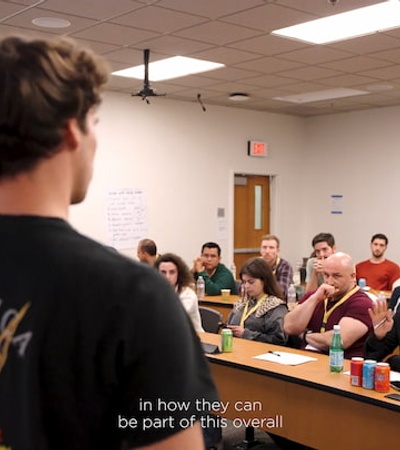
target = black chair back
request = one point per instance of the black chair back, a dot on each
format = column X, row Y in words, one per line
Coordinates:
column 210, row 319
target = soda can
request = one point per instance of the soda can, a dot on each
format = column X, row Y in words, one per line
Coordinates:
column 356, row 371
column 368, row 376
column 226, row 340
column 382, row 377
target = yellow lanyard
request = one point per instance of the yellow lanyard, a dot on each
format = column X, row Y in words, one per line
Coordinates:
column 246, row 314
column 327, row 314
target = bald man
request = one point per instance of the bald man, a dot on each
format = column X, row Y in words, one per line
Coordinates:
column 337, row 301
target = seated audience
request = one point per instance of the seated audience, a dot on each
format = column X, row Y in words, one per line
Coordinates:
column 178, row 274
column 216, row 275
column 147, row 252
column 281, row 268
column 259, row 314
column 379, row 273
column 324, row 246
column 386, row 334
column 337, row 301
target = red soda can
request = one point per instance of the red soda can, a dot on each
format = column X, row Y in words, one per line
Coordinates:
column 356, row 371
column 382, row 377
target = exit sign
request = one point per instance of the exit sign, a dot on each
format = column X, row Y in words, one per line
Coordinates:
column 256, row 148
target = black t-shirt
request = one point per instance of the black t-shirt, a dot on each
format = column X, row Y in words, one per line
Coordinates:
column 95, row 349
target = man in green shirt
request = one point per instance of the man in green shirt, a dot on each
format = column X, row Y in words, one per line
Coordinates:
column 216, row 275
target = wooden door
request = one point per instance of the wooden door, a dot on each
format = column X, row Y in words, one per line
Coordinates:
column 251, row 216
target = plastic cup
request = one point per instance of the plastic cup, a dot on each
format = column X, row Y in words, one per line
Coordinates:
column 225, row 294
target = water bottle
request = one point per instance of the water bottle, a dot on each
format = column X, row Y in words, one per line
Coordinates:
column 200, row 288
column 382, row 296
column 296, row 275
column 336, row 351
column 362, row 282
column 291, row 297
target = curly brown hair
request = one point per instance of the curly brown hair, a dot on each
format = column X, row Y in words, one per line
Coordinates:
column 185, row 277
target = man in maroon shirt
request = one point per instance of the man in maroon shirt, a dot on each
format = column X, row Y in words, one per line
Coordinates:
column 337, row 301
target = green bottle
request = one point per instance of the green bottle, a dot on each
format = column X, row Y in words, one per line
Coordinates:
column 336, row 352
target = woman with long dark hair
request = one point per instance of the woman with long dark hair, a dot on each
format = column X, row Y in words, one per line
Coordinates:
column 259, row 314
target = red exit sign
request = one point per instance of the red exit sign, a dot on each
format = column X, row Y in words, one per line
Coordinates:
column 256, row 148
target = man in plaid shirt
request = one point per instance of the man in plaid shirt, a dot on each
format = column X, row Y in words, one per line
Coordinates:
column 283, row 271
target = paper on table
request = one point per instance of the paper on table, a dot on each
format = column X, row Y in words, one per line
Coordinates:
column 394, row 376
column 288, row 359
column 311, row 347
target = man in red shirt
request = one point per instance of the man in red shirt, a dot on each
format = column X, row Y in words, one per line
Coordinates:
column 379, row 273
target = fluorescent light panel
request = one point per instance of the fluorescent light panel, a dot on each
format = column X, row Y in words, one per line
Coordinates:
column 338, row 27
column 317, row 96
column 166, row 69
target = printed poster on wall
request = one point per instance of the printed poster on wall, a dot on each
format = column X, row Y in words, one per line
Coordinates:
column 126, row 217
column 336, row 204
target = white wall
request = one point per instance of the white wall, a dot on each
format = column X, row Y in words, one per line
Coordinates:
column 357, row 155
column 185, row 160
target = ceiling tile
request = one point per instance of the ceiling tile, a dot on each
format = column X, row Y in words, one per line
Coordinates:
column 268, row 45
column 218, row 33
column 268, row 17
column 224, row 55
column 210, row 8
column 103, row 8
column 173, row 45
column 311, row 73
column 315, row 54
column 348, row 80
column 368, row 44
column 159, row 20
column 269, row 65
column 356, row 64
column 384, row 73
column 234, row 32
column 115, row 34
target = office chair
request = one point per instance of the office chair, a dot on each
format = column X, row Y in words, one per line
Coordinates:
column 210, row 319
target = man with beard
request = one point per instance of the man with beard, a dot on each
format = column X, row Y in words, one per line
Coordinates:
column 379, row 273
column 337, row 301
column 283, row 271
column 216, row 275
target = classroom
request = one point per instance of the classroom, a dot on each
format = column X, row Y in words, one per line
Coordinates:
column 166, row 169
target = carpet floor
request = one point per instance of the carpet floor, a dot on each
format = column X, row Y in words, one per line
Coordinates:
column 234, row 439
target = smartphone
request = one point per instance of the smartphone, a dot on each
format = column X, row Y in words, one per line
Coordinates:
column 393, row 396
column 395, row 385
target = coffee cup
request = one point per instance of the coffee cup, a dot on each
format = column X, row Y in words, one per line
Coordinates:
column 225, row 293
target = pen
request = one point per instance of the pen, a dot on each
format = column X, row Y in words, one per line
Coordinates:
column 380, row 323
column 274, row 353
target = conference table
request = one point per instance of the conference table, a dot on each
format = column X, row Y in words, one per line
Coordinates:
column 305, row 403
column 224, row 306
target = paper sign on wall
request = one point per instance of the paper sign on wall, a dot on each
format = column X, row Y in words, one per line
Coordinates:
column 126, row 217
